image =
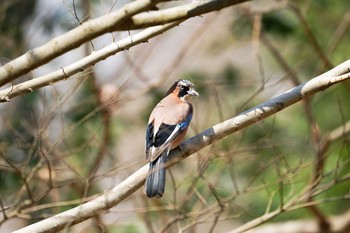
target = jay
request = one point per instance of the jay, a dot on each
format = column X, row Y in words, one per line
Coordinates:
column 167, row 127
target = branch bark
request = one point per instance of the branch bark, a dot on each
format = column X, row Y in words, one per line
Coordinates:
column 136, row 180
column 79, row 66
column 119, row 20
column 70, row 40
column 338, row 224
column 195, row 8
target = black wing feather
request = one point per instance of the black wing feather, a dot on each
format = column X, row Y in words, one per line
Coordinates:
column 163, row 133
column 149, row 136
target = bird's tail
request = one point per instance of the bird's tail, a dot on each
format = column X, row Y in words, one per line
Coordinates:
column 155, row 181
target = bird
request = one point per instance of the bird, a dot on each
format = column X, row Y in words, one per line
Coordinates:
column 167, row 127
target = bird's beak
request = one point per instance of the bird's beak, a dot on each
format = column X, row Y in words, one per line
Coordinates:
column 192, row 92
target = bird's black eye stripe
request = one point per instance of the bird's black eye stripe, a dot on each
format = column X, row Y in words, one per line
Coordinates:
column 183, row 91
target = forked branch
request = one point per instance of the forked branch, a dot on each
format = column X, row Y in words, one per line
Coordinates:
column 194, row 144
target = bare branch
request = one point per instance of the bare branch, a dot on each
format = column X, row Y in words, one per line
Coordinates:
column 314, row 128
column 107, row 23
column 76, row 67
column 182, row 12
column 338, row 224
column 216, row 132
column 70, row 40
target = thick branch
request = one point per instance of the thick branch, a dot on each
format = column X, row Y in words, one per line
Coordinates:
column 76, row 67
column 262, row 111
column 70, row 40
column 338, row 224
column 114, row 21
column 136, row 180
column 189, row 10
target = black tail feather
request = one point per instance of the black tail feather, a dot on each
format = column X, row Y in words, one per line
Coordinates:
column 155, row 182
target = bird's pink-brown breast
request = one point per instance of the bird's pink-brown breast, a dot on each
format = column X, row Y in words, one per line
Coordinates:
column 171, row 111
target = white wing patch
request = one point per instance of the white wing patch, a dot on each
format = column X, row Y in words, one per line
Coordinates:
column 156, row 151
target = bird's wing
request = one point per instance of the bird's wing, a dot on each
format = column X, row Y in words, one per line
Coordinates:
column 162, row 139
column 149, row 138
column 170, row 136
column 165, row 135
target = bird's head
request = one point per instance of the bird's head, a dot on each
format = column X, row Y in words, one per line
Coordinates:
column 183, row 89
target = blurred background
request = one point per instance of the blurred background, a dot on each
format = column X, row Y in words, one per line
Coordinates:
column 68, row 142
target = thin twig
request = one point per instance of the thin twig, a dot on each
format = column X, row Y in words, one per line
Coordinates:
column 192, row 145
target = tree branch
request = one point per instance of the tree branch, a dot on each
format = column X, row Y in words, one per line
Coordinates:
column 111, row 22
column 70, row 40
column 78, row 66
column 136, row 180
column 338, row 224
column 195, row 8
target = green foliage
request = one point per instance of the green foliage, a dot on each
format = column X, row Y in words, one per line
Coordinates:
column 230, row 76
column 279, row 23
column 336, row 112
column 9, row 182
column 241, row 27
column 125, row 228
column 258, row 168
column 14, row 16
